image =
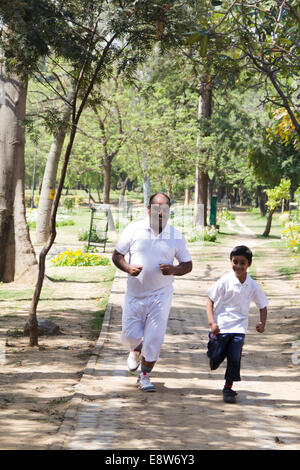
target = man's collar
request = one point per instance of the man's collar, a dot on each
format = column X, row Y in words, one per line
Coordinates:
column 166, row 229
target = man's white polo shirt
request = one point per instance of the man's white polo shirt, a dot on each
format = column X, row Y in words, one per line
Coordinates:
column 232, row 302
column 147, row 250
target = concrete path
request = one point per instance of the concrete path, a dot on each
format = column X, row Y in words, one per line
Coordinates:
column 187, row 411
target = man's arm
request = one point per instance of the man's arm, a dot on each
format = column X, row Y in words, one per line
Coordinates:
column 121, row 263
column 180, row 270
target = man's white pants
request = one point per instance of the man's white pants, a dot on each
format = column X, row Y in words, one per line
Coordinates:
column 145, row 319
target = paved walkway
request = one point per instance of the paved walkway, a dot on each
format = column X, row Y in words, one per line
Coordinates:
column 187, row 411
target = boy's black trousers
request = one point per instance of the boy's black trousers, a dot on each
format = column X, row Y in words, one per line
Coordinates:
column 226, row 345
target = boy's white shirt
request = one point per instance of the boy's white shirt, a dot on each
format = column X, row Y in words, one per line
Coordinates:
column 232, row 302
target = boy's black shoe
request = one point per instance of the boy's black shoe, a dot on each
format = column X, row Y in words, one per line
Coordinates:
column 229, row 396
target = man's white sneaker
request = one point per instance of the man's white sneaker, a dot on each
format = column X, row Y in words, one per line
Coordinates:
column 144, row 383
column 133, row 360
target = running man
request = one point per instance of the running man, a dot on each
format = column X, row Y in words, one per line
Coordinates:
column 152, row 245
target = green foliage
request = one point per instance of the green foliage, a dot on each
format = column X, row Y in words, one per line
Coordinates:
column 277, row 194
column 90, row 249
column 283, row 126
column 79, row 258
column 162, row 126
column 269, row 38
column 84, row 236
column 158, row 105
column 62, row 220
column 224, row 215
column 202, row 234
column 68, row 203
column 291, row 234
column 36, row 27
column 271, row 160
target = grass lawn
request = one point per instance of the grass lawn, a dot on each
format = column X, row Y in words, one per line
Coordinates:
column 255, row 222
column 72, row 291
column 102, row 276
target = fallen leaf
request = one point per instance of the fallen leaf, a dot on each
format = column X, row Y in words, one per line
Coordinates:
column 278, row 441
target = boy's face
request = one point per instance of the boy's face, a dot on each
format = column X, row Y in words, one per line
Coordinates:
column 240, row 264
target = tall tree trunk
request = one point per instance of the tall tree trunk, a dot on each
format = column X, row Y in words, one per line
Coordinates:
column 49, row 180
column 123, row 191
column 210, row 191
column 262, row 199
column 106, row 188
column 269, row 224
column 202, row 191
column 33, row 330
column 170, row 188
column 187, row 197
column 124, row 186
column 87, row 190
column 241, row 195
column 201, row 181
column 17, row 253
column 146, row 184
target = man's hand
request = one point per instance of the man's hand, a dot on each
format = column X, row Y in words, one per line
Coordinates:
column 167, row 269
column 134, row 270
column 180, row 270
column 260, row 327
column 121, row 263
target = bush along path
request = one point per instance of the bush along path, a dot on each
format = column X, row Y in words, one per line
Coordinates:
column 187, row 411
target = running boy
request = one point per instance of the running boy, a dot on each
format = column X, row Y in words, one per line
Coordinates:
column 227, row 313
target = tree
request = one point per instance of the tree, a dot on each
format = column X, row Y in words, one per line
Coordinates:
column 231, row 134
column 21, row 47
column 208, row 49
column 283, row 126
column 275, row 198
column 109, row 108
column 271, row 160
column 50, row 173
column 161, row 125
column 17, row 254
column 94, row 43
column 268, row 37
column 234, row 35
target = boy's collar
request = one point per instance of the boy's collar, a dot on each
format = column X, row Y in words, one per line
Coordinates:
column 237, row 281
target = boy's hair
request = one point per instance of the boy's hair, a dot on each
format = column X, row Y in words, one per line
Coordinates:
column 242, row 250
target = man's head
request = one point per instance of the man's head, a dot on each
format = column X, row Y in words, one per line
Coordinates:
column 241, row 259
column 159, row 211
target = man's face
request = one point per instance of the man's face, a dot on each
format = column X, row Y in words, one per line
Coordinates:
column 159, row 212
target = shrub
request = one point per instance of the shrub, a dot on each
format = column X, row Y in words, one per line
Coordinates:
column 290, row 232
column 205, row 234
column 68, row 203
column 79, row 258
column 84, row 236
column 27, row 201
column 61, row 219
column 291, row 235
column 78, row 200
column 225, row 215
